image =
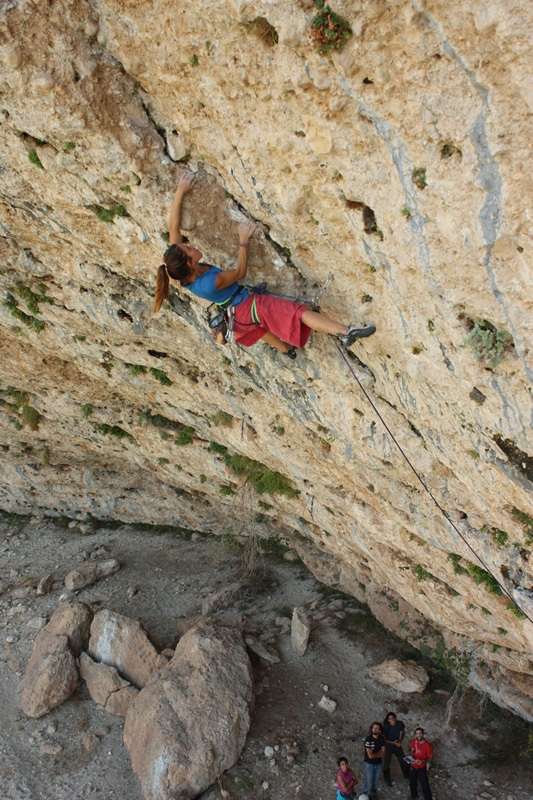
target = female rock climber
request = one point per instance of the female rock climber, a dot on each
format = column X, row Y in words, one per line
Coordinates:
column 281, row 323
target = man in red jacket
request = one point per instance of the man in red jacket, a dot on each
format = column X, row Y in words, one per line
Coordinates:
column 422, row 753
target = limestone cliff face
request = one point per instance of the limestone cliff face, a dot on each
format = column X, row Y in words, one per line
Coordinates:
column 400, row 165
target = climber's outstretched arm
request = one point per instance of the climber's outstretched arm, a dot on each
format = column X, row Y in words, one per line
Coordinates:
column 185, row 185
column 231, row 276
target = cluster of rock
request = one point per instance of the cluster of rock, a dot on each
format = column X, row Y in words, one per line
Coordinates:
column 187, row 712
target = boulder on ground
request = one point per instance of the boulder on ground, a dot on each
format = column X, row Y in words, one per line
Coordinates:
column 101, row 679
column 189, row 724
column 119, row 702
column 51, row 675
column 404, row 676
column 263, row 650
column 106, row 687
column 89, row 573
column 300, row 630
column 73, row 620
column 122, row 643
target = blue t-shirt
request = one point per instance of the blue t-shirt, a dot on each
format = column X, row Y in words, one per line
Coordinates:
column 204, row 286
column 393, row 733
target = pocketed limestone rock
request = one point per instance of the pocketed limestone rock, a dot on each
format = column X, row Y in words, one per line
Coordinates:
column 190, row 723
column 89, row 573
column 72, row 620
column 404, row 676
column 51, row 675
column 121, row 642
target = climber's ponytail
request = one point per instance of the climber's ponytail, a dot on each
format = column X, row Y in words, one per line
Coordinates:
column 162, row 285
column 175, row 266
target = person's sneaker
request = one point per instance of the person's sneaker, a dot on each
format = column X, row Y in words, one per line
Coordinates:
column 347, row 339
column 291, row 353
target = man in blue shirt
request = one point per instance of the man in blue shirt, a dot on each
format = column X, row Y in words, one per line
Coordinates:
column 394, row 730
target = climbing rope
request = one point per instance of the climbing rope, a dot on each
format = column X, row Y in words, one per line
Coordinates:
column 426, row 487
column 260, row 288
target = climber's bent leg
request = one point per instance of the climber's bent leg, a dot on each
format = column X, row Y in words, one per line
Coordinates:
column 347, row 335
column 275, row 341
column 323, row 324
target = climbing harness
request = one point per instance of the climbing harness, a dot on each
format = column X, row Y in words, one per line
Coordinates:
column 426, row 487
column 221, row 325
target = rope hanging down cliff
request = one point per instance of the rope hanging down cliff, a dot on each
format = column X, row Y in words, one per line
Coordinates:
column 426, row 487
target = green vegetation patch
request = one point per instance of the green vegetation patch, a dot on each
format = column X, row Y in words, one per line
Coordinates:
column 31, row 417
column 87, row 410
column 484, row 578
column 329, row 31
column 423, row 575
column 160, row 376
column 457, row 568
column 34, row 159
column 223, row 419
column 263, row 479
column 33, row 299
column 31, row 322
column 419, row 177
column 109, row 214
column 527, row 521
column 515, row 610
column 489, row 343
column 116, row 431
column 500, row 537
column 136, row 369
column 185, row 437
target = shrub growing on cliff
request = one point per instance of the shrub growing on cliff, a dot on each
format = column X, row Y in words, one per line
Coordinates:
column 263, row 479
column 31, row 417
column 31, row 322
column 488, row 342
column 484, row 578
column 329, row 31
column 419, row 177
column 109, row 214
column 34, row 158
column 160, row 376
column 185, row 437
column 116, row 431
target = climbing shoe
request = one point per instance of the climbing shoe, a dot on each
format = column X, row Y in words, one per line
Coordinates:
column 291, row 353
column 354, row 333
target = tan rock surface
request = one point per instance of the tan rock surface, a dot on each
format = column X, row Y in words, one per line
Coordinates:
column 190, row 723
column 89, row 573
column 73, row 620
column 50, row 677
column 402, row 164
column 101, row 679
column 122, row 643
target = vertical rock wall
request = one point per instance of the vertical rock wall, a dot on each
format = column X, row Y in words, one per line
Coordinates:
column 401, row 165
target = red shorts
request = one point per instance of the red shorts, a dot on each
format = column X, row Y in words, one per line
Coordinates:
column 278, row 316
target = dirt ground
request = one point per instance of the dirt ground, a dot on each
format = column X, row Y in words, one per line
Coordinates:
column 77, row 751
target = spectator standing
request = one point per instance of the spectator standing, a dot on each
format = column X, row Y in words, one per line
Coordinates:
column 422, row 753
column 345, row 780
column 394, row 732
column 374, row 754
